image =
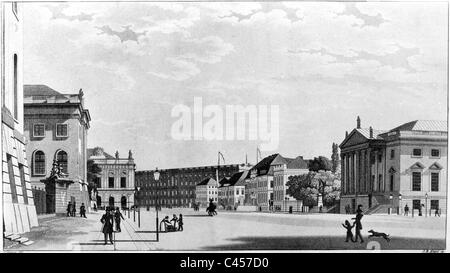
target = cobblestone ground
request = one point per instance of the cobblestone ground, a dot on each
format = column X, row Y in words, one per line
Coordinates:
column 237, row 231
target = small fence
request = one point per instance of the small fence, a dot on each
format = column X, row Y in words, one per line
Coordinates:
column 40, row 203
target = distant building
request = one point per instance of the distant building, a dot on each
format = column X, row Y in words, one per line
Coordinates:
column 281, row 172
column 206, row 191
column 115, row 184
column 232, row 191
column 19, row 211
column 176, row 187
column 56, row 125
column 384, row 170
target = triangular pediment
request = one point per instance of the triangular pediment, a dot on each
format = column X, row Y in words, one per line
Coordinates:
column 436, row 166
column 417, row 165
column 353, row 138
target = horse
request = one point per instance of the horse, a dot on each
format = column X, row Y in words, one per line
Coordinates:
column 211, row 210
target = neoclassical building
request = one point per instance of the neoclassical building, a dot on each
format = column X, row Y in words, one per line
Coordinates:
column 386, row 170
column 115, row 183
column 56, row 126
column 19, row 211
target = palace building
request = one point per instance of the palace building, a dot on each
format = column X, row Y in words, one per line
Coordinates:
column 385, row 170
column 19, row 210
column 56, row 126
column 115, row 183
column 176, row 187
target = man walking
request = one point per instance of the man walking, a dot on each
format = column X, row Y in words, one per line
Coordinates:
column 359, row 215
column 82, row 210
column 108, row 222
column 69, row 209
column 406, row 209
column 117, row 217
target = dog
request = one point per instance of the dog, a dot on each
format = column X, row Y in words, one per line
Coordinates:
column 379, row 234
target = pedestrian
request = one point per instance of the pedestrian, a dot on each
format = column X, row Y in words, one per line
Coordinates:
column 82, row 210
column 117, row 217
column 180, row 222
column 420, row 209
column 69, row 209
column 73, row 211
column 349, row 228
column 174, row 220
column 108, row 223
column 406, row 209
column 359, row 215
column 95, row 207
column 436, row 213
column 166, row 223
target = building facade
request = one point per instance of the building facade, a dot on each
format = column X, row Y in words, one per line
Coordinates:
column 19, row 211
column 281, row 172
column 386, row 170
column 56, row 126
column 115, row 183
column 232, row 192
column 176, row 187
column 206, row 191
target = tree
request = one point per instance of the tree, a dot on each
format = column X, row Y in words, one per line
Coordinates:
column 320, row 163
column 307, row 187
column 334, row 157
column 92, row 171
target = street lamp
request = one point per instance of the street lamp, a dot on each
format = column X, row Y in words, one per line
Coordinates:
column 390, row 200
column 426, row 204
column 399, row 203
column 156, row 176
column 139, row 207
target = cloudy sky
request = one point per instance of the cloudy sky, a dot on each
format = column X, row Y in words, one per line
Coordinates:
column 322, row 63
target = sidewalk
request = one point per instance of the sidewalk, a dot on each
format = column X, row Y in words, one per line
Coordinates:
column 83, row 234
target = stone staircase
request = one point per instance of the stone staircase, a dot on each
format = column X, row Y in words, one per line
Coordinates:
column 17, row 239
column 381, row 205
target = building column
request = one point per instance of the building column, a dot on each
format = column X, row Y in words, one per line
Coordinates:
column 343, row 176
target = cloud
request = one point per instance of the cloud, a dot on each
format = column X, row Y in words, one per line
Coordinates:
column 177, row 69
column 58, row 13
column 397, row 59
column 126, row 35
column 367, row 20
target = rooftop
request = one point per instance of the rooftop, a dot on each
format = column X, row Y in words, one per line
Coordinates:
column 207, row 181
column 423, row 125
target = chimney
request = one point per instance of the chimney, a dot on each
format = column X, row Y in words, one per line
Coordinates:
column 371, row 132
column 358, row 123
column 346, row 133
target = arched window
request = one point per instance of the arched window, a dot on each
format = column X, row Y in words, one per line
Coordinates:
column 39, row 163
column 61, row 158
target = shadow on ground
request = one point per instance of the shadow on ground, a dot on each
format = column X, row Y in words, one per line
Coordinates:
column 326, row 243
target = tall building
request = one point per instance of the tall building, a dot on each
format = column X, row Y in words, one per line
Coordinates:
column 386, row 170
column 56, row 125
column 176, row 187
column 19, row 211
column 115, row 183
column 206, row 191
column 281, row 172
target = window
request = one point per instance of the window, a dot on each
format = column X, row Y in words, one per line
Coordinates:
column 434, row 204
column 416, row 181
column 61, row 130
column 39, row 163
column 16, row 110
column 12, row 181
column 98, row 182
column 61, row 158
column 434, row 152
column 380, row 157
column 391, row 185
column 39, row 130
column 417, row 152
column 434, row 181
column 24, row 185
column 416, row 204
column 123, row 182
column 392, row 153
column 110, row 182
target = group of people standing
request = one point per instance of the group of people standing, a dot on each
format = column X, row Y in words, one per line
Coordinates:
column 358, row 227
column 171, row 225
column 108, row 219
column 71, row 210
